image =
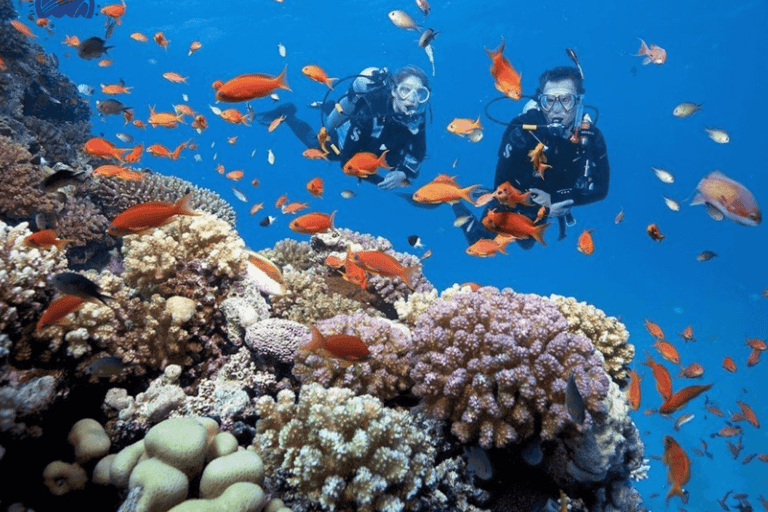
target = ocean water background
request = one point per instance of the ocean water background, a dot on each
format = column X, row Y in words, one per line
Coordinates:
column 716, row 56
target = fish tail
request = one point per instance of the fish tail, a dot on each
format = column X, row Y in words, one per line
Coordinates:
column 498, row 51
column 62, row 244
column 409, row 274
column 465, row 194
column 643, row 49
column 538, row 233
column 184, row 205
column 383, row 161
column 282, row 82
column 526, row 199
column 317, row 341
column 333, row 215
column 477, row 124
column 329, row 82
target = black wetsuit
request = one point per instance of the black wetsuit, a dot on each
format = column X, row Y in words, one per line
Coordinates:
column 372, row 125
column 579, row 172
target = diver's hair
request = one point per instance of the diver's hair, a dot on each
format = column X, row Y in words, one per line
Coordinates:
column 411, row 70
column 560, row 73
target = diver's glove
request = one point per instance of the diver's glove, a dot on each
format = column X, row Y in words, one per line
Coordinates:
column 392, row 180
column 561, row 208
column 542, row 198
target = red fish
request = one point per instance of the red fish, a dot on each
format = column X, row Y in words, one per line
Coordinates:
column 667, row 351
column 46, row 239
column 144, row 217
column 508, row 195
column 729, row 364
column 678, row 400
column 661, row 375
column 693, row 371
column 58, row 309
column 748, row 414
column 315, row 187
column 248, row 87
column 507, row 80
column 97, row 146
column 679, row 468
column 756, row 344
column 754, row 358
column 655, row 233
column 654, row 329
column 312, row 223
column 514, row 224
column 727, row 198
column 354, row 273
column 585, row 243
column 340, row 346
column 633, row 392
column 364, row 164
column 377, row 262
column 687, row 334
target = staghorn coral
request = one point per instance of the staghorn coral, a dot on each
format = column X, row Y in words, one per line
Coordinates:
column 496, row 363
column 114, row 195
column 349, row 453
column 607, row 333
column 191, row 256
column 308, row 299
column 384, row 374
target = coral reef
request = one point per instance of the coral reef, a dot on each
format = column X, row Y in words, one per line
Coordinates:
column 21, row 405
column 20, row 197
column 383, row 375
column 349, row 453
column 496, row 362
column 607, row 333
column 275, row 339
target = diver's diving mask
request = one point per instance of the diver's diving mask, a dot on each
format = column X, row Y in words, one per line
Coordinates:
column 567, row 101
column 405, row 91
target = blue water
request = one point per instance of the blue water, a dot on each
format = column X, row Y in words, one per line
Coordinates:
column 715, row 56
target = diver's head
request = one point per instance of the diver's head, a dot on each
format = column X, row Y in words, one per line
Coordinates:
column 559, row 95
column 410, row 91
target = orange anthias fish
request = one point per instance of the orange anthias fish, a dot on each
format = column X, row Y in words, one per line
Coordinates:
column 166, row 119
column 514, row 224
column 58, row 309
column 585, row 244
column 692, row 371
column 461, row 126
column 200, row 123
column 754, row 358
column 160, row 39
column 235, row 175
column 107, row 170
column 661, row 376
column 748, row 414
column 364, row 164
column 275, row 123
column 633, row 392
column 314, row 154
column 340, row 346
column 687, row 334
column 315, row 187
column 507, row 80
column 46, row 239
column 756, row 344
column 667, row 351
column 679, row 468
column 21, row 27
column 72, row 41
column 436, row 193
column 678, row 400
column 194, row 46
column 508, row 195
column 144, row 217
column 654, row 329
column 655, row 54
column 727, row 198
column 294, row 207
column 158, row 150
column 248, row 87
column 115, row 88
column 490, row 246
column 539, row 159
column 281, row 200
column 654, row 232
column 312, row 223
column 103, row 148
column 354, row 273
column 318, row 74
column 138, row 36
column 174, row 77
column 377, row 262
column 729, row 364
column 234, row 116
column 114, row 11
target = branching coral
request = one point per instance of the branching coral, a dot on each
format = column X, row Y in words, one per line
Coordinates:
column 20, row 197
column 496, row 363
column 291, row 252
column 349, row 453
column 607, row 333
column 384, row 374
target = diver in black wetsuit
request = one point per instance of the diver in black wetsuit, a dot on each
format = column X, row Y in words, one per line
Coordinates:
column 379, row 112
column 574, row 148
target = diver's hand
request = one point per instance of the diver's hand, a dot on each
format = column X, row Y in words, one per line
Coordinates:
column 392, row 180
column 540, row 197
column 561, row 208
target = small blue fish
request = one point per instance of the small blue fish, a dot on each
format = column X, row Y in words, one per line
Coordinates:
column 106, row 366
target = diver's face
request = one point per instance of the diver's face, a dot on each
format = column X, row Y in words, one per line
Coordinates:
column 407, row 103
column 558, row 114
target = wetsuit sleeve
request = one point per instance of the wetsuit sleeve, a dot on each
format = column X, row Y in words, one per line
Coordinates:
column 414, row 154
column 594, row 187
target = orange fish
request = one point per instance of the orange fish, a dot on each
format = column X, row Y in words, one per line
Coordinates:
column 585, row 244
column 194, row 46
column 315, row 187
column 46, row 239
column 160, row 39
column 507, row 80
column 490, row 246
column 129, row 175
column 312, row 223
column 655, row 54
column 158, row 150
column 184, row 110
column 256, row 207
column 314, row 154
column 728, row 432
column 687, row 334
column 540, row 214
column 354, row 273
column 114, row 11
column 115, row 88
column 317, row 74
column 436, row 193
column 424, row 6
column 42, row 22
column 174, row 77
column 103, row 148
column 107, row 170
column 461, row 126
column 514, row 224
column 508, row 195
column 234, row 116
column 364, row 164
column 248, row 87
column 727, row 198
column 712, row 408
column 177, row 152
column 340, row 346
column 275, row 123
column 748, row 414
column 661, row 376
column 232, row 140
column 377, row 262
column 72, row 41
column 754, row 358
column 692, row 371
column 654, row 329
column 58, row 309
column 756, row 344
column 144, row 217
column 729, row 364
column 654, row 232
column 235, row 175
column 200, row 123
column 165, row 119
column 679, row 468
column 322, row 138
column 294, row 207
column 334, row 261
column 633, row 392
column 539, row 159
column 220, row 169
column 138, row 123
column 281, row 200
column 667, row 351
column 678, row 400
column 138, row 36
column 23, row 29
column 105, row 63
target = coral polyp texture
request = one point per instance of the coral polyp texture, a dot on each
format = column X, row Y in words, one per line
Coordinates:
column 384, row 374
column 496, row 364
column 349, row 453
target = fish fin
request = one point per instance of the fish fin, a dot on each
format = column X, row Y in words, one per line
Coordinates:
column 698, row 199
column 184, row 205
column 465, row 194
column 646, row 61
column 282, row 83
column 383, row 160
column 643, row 50
column 538, row 233
column 714, row 212
column 329, row 82
column 317, row 341
column 408, row 276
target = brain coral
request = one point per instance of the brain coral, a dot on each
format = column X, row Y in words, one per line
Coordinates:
column 349, row 453
column 384, row 374
column 495, row 363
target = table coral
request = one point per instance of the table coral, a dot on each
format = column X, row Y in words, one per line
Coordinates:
column 384, row 374
column 495, row 363
column 349, row 453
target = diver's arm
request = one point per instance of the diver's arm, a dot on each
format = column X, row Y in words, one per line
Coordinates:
column 348, row 103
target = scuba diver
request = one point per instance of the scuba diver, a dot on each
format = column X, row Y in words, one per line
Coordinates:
column 380, row 111
column 574, row 170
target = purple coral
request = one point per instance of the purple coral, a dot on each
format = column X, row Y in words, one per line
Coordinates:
column 496, row 362
column 277, row 339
